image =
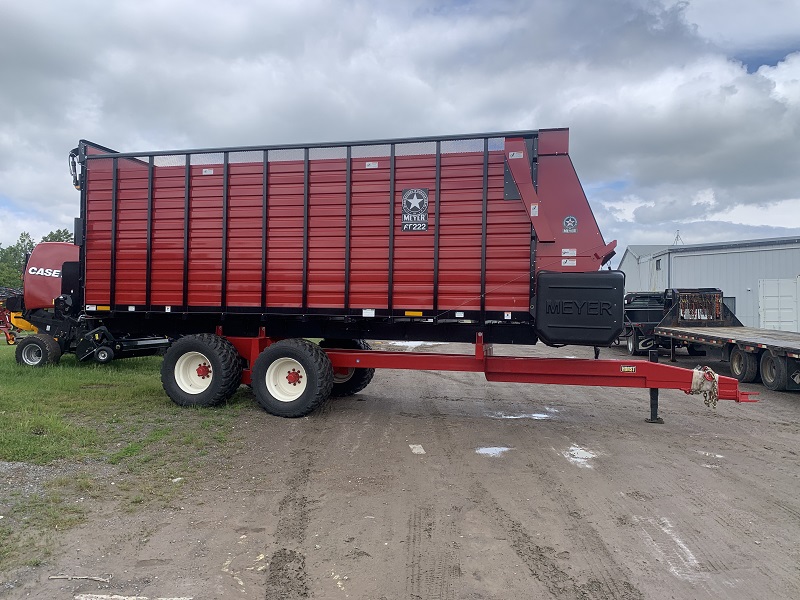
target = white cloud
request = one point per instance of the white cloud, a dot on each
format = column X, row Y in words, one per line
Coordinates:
column 669, row 130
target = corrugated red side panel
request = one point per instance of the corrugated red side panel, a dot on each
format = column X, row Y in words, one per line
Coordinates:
column 326, row 233
column 285, row 234
column 508, row 246
column 460, row 231
column 167, row 230
column 369, row 233
column 413, row 250
column 245, row 218
column 131, row 263
column 97, row 245
column 205, row 235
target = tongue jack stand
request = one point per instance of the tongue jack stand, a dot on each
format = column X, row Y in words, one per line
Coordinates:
column 654, row 418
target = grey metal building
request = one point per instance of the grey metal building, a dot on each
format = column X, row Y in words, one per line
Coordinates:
column 734, row 267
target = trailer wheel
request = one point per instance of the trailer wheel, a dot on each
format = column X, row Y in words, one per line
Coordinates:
column 292, row 377
column 349, row 381
column 774, row 374
column 633, row 343
column 744, row 365
column 201, row 370
column 695, row 350
column 38, row 350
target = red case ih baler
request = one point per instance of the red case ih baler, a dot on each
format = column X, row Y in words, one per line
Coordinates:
column 239, row 253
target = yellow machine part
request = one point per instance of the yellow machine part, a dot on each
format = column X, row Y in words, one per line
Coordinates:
column 20, row 323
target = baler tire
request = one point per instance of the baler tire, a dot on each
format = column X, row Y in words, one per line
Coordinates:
column 38, row 350
column 292, row 377
column 774, row 374
column 356, row 379
column 214, row 356
column 744, row 365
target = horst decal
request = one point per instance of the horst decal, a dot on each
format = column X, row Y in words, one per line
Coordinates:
column 415, row 209
column 627, row 369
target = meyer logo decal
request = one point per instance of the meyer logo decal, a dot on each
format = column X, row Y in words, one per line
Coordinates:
column 44, row 272
column 575, row 307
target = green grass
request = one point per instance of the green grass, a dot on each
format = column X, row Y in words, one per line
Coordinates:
column 84, row 416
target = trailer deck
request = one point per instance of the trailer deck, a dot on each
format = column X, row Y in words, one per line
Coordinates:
column 787, row 342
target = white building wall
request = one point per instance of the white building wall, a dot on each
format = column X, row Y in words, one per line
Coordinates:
column 736, row 271
column 640, row 274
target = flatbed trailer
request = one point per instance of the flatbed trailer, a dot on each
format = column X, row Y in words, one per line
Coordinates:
column 701, row 319
column 229, row 259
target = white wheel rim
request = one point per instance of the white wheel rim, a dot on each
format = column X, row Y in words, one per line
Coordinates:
column 193, row 373
column 32, row 354
column 768, row 369
column 737, row 364
column 286, row 380
column 630, row 343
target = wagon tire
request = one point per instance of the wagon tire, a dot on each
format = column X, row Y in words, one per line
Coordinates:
column 38, row 350
column 201, row 370
column 744, row 365
column 351, row 380
column 292, row 377
column 774, row 374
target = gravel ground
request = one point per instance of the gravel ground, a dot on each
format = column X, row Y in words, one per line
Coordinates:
column 441, row 485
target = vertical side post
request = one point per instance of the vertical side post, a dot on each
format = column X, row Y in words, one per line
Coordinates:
column 390, row 295
column 264, row 227
column 437, row 223
column 654, row 418
column 348, row 218
column 187, row 179
column 112, row 300
column 148, row 269
column 484, row 226
column 306, row 184
column 223, row 298
column 672, row 350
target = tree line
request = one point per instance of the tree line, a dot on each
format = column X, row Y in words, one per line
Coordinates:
column 12, row 258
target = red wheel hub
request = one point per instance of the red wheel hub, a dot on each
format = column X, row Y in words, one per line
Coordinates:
column 293, row 376
column 203, row 371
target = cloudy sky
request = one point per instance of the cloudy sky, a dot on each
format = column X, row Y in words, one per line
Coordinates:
column 683, row 115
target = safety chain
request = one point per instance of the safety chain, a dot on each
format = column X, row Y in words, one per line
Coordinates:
column 705, row 381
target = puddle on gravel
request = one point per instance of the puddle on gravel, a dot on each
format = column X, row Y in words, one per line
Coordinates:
column 709, row 454
column 492, row 451
column 579, row 456
column 534, row 416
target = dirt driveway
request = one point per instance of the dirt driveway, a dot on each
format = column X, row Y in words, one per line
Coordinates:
column 441, row 485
